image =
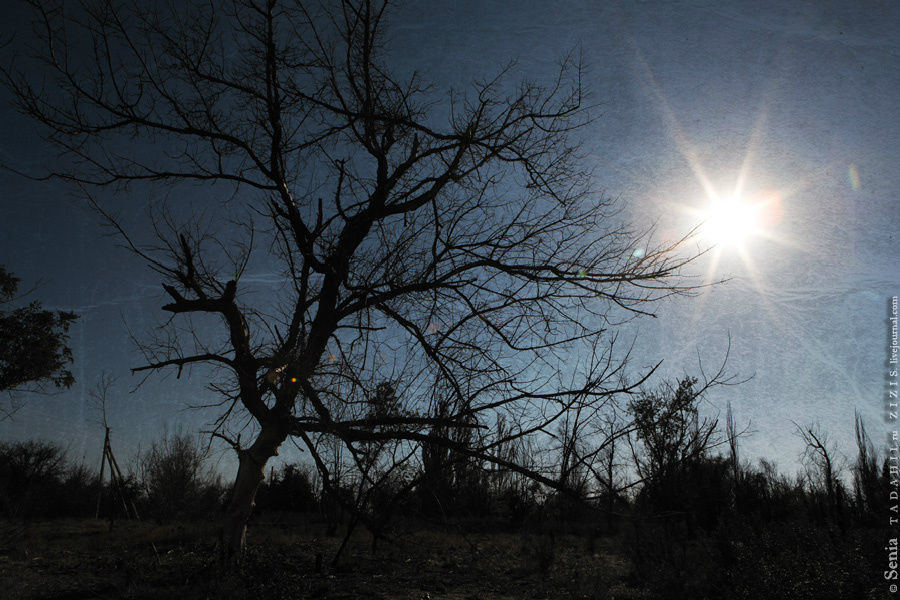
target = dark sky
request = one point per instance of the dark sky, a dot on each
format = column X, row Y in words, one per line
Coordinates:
column 798, row 100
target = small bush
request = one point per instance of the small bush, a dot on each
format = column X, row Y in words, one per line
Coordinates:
column 176, row 482
column 37, row 481
column 289, row 489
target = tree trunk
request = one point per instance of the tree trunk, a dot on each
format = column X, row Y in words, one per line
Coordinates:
column 251, row 472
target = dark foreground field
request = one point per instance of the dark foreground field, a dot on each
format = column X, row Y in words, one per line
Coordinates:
column 73, row 559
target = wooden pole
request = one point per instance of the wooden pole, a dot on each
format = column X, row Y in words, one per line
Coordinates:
column 125, row 501
column 116, row 475
column 116, row 482
column 102, row 468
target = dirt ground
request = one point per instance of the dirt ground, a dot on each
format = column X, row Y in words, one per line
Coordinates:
column 84, row 559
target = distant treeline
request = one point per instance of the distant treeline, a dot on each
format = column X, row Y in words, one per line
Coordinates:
column 699, row 524
column 695, row 488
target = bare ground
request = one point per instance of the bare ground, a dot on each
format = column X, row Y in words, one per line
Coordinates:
column 83, row 559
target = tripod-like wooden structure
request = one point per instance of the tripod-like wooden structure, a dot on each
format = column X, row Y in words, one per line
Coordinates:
column 117, row 481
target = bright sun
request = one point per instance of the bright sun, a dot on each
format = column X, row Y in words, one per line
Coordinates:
column 729, row 221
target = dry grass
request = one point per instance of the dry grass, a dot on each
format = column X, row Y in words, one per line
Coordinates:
column 83, row 559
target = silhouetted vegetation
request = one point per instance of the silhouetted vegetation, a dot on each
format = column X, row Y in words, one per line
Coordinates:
column 698, row 525
column 37, row 482
column 175, row 482
column 441, row 269
column 288, row 489
column 34, row 354
column 713, row 527
column 459, row 232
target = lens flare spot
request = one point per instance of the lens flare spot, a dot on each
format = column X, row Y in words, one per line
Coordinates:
column 638, row 253
column 769, row 208
column 853, row 175
column 293, row 380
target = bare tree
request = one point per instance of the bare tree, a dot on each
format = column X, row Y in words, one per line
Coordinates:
column 570, row 440
column 99, row 397
column 732, row 435
column 606, row 465
column 669, row 429
column 820, row 459
column 452, row 244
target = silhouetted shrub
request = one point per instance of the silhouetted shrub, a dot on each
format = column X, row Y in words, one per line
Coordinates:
column 518, row 504
column 696, row 493
column 289, row 489
column 119, row 498
column 78, row 492
column 36, row 481
column 759, row 535
column 176, row 482
column 29, row 471
column 871, row 488
column 336, row 503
